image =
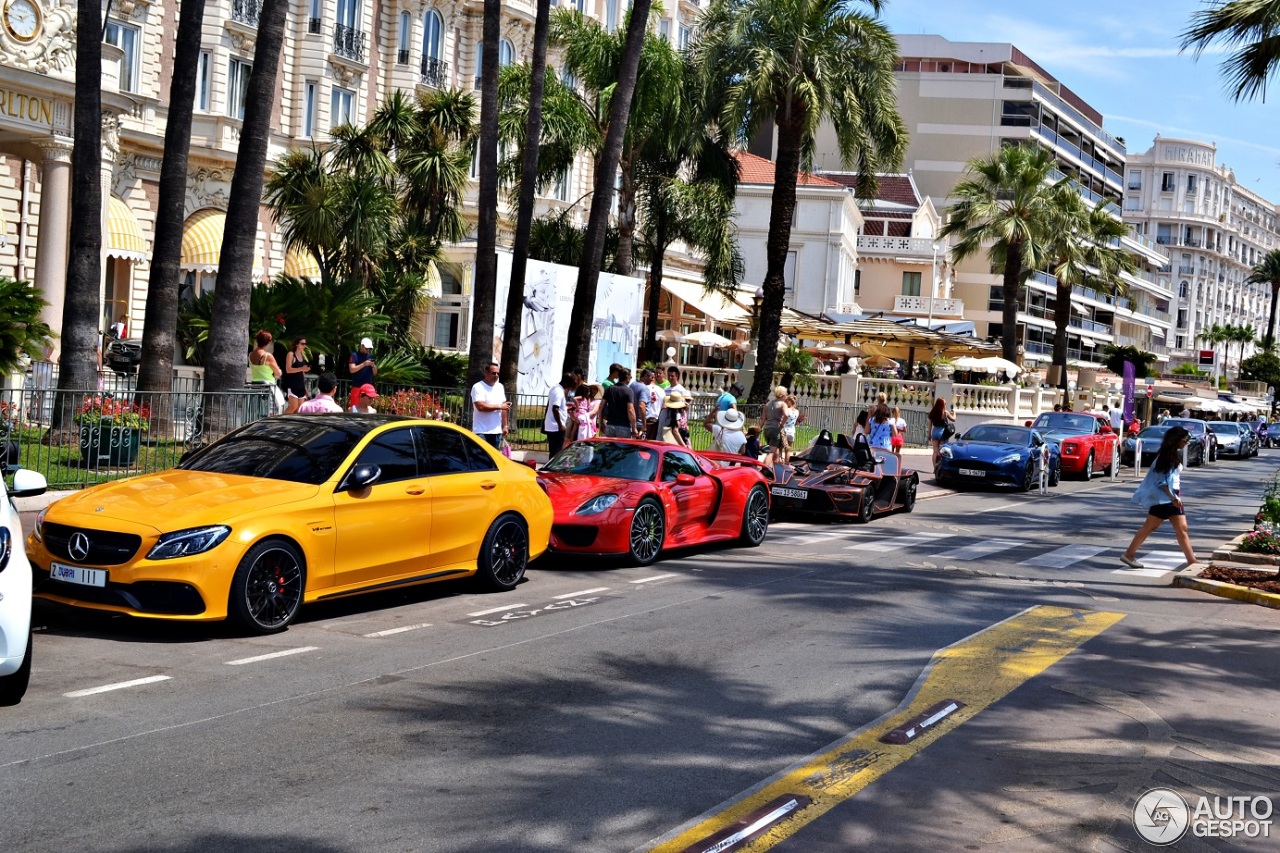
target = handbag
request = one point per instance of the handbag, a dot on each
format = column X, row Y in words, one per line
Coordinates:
column 948, row 430
column 506, row 449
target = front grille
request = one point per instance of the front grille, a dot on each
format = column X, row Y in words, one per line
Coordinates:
column 106, row 547
column 168, row 598
column 575, row 536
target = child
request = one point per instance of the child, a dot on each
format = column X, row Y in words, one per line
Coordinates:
column 752, row 447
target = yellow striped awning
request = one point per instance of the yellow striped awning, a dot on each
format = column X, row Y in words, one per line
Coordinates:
column 202, row 241
column 299, row 263
column 4, row 230
column 124, row 236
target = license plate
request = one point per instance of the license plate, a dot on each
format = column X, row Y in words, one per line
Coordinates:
column 972, row 472
column 76, row 574
column 798, row 494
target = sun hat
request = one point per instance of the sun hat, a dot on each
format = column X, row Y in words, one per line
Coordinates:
column 674, row 400
column 730, row 419
column 366, row 343
column 367, row 390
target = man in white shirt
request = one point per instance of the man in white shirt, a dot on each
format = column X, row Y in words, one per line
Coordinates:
column 556, row 422
column 489, row 407
column 654, row 396
column 675, row 386
column 1117, row 420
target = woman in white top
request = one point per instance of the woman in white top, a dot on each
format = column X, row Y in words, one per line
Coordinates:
column 791, row 417
column 900, row 424
column 726, row 432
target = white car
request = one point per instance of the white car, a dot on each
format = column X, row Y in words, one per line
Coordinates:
column 15, row 589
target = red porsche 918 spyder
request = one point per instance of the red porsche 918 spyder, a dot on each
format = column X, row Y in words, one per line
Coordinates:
column 640, row 498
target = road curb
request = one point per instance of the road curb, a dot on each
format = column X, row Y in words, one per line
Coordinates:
column 1228, row 590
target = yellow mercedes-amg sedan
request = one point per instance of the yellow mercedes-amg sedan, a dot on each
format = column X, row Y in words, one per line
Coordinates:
column 289, row 510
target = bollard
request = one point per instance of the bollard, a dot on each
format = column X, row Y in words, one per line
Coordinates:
column 1044, row 469
column 1137, row 459
column 1185, row 456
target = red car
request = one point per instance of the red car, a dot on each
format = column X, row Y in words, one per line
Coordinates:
column 640, row 498
column 1086, row 442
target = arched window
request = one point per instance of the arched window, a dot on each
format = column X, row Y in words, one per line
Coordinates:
column 432, row 35
column 402, row 54
column 506, row 53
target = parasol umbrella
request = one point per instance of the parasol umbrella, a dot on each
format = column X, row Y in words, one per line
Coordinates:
column 879, row 361
column 967, row 362
column 708, row 339
column 995, row 364
column 670, row 336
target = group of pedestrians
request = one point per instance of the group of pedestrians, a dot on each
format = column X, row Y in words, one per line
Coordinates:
column 288, row 385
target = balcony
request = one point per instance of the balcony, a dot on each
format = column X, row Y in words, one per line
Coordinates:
column 1184, row 269
column 928, row 306
column 435, row 72
column 911, row 247
column 246, row 11
column 1089, row 326
column 348, row 43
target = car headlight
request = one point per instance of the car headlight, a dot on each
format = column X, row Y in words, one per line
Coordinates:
column 945, row 452
column 1006, row 460
column 6, row 547
column 596, row 505
column 38, row 530
column 184, row 543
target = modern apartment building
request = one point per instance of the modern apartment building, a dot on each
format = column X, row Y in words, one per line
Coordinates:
column 1214, row 229
column 340, row 59
column 962, row 100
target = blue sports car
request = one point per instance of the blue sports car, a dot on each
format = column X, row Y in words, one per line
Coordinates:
column 999, row 454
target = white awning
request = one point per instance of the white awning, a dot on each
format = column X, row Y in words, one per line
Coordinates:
column 717, row 308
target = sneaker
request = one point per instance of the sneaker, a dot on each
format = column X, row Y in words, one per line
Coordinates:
column 1130, row 562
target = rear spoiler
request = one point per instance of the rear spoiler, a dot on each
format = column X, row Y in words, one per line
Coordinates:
column 733, row 459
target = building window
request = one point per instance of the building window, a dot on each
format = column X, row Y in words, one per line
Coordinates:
column 789, row 274
column 204, row 75
column 857, row 284
column 237, row 86
column 126, row 38
column 308, row 109
column 348, row 14
column 562, row 185
column 1135, row 180
column 911, row 283
column 1191, row 183
column 611, row 15
column 1166, row 182
column 446, row 331
column 433, row 36
column 682, row 38
column 664, row 28
column 506, row 53
column 1184, row 291
column 449, row 284
column 341, row 107
column 402, row 54
column 313, row 23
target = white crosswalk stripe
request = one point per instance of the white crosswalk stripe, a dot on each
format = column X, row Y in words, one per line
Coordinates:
column 900, row 542
column 1061, row 558
column 1155, row 564
column 980, row 549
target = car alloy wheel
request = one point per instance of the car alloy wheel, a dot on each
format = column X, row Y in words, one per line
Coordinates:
column 867, row 509
column 1088, row 466
column 1029, row 478
column 648, row 531
column 504, row 553
column 1055, row 474
column 909, row 500
column 266, row 592
column 755, row 518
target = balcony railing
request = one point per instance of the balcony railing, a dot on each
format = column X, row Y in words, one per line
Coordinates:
column 918, row 247
column 246, row 11
column 402, row 57
column 927, row 305
column 313, row 25
column 1184, row 269
column 1089, row 326
column 435, row 72
column 1053, row 99
column 348, row 42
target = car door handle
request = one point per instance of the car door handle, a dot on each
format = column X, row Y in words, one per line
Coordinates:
column 488, row 484
column 414, row 490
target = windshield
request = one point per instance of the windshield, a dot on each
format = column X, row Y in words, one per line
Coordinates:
column 1153, row 434
column 996, row 434
column 826, row 454
column 297, row 450
column 606, row 459
column 1192, row 425
column 1227, row 427
column 1065, row 424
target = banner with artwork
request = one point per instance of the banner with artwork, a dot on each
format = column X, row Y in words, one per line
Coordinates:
column 544, row 327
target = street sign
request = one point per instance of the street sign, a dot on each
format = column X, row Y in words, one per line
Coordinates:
column 1151, row 391
column 1206, row 358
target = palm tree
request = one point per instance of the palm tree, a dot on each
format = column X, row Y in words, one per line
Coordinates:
column 1006, row 207
column 1248, row 28
column 578, row 345
column 1242, row 335
column 509, row 363
column 1267, row 271
column 1215, row 336
column 228, row 341
column 798, row 64
column 160, row 335
column 485, row 284
column 21, row 329
column 1083, row 239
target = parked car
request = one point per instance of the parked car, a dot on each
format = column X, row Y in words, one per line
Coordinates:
column 1273, row 435
column 1201, row 430
column 1086, row 442
column 640, row 498
column 1234, row 439
column 998, row 454
column 15, row 589
column 1259, row 431
column 1151, row 438
column 291, row 510
column 122, row 356
column 844, row 478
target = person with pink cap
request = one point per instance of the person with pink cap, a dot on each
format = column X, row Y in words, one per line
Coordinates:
column 363, row 394
column 362, row 368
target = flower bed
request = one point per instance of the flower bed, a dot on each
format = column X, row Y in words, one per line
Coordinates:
column 1261, row 540
column 1251, row 578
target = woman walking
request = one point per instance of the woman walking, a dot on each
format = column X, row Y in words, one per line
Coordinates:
column 263, row 369
column 1160, row 492
column 900, row 424
column 296, row 369
column 942, row 425
column 882, row 429
column 771, row 423
column 790, row 419
column 586, row 409
column 669, row 419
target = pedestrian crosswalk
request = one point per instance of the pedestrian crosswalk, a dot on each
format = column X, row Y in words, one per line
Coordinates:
column 945, row 547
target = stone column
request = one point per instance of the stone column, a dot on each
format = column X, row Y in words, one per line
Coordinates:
column 53, row 237
column 110, row 152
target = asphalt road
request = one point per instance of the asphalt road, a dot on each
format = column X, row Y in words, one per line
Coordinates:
column 607, row 708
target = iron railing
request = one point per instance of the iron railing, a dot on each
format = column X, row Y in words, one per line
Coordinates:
column 246, row 11
column 434, row 72
column 348, row 42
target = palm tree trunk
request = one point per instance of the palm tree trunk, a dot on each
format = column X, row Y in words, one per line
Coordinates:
column 578, row 346
column 655, row 288
column 622, row 261
column 1061, row 320
column 77, row 365
column 229, row 330
column 160, row 336
column 1012, row 290
column 524, row 214
column 781, row 215
column 1271, row 321
column 484, row 289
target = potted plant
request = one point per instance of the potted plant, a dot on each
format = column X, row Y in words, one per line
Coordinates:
column 110, row 431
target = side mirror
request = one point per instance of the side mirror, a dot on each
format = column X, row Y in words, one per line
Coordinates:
column 685, row 479
column 1027, row 424
column 28, row 484
column 362, row 477
column 532, row 463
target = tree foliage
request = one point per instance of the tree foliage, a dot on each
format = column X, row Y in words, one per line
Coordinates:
column 22, row 332
column 1262, row 367
column 1114, row 358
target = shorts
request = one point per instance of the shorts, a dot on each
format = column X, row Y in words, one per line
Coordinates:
column 611, row 431
column 1166, row 511
column 772, row 436
column 938, row 433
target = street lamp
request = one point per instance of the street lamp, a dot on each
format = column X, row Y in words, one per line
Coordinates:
column 756, row 299
column 747, row 375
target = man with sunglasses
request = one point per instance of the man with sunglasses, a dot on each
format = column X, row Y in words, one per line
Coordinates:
column 489, row 407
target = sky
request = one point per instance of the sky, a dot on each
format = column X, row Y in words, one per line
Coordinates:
column 1123, row 58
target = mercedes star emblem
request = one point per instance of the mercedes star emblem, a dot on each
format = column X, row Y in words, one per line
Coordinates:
column 78, row 547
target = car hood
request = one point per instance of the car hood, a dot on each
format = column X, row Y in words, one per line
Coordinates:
column 986, row 450
column 570, row 491
column 177, row 499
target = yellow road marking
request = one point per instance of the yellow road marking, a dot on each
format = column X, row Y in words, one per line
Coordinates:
column 977, row 671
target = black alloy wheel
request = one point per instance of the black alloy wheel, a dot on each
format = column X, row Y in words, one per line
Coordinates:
column 1087, row 473
column 755, row 517
column 1029, row 478
column 504, row 553
column 909, row 500
column 648, row 532
column 868, row 506
column 1055, row 473
column 266, row 592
